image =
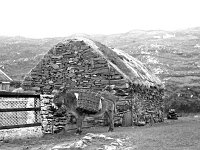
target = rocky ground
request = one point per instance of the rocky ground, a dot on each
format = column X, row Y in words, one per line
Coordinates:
column 178, row 134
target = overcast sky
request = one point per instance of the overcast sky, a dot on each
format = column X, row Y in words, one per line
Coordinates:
column 53, row 18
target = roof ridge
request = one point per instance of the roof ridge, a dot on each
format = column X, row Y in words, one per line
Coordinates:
column 6, row 75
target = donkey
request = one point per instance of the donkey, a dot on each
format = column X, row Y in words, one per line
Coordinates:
column 107, row 105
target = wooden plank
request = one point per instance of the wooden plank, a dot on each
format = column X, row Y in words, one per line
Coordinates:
column 20, row 126
column 20, row 109
column 18, row 95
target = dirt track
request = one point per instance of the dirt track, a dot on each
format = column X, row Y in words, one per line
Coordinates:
column 171, row 135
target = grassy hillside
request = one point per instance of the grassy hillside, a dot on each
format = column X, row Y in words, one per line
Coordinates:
column 18, row 55
column 173, row 56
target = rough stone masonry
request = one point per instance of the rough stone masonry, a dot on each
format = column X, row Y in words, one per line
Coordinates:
column 84, row 64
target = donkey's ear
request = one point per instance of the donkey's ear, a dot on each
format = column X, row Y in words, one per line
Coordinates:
column 64, row 90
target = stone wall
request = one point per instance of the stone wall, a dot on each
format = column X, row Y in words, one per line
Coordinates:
column 75, row 64
column 53, row 121
column 46, row 113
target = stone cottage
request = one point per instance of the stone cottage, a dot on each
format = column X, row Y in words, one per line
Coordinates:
column 82, row 63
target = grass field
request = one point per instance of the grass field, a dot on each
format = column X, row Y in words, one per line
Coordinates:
column 181, row 134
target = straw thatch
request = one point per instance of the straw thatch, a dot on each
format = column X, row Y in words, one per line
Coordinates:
column 132, row 69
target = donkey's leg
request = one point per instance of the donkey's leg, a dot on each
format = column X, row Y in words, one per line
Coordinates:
column 111, row 120
column 79, row 123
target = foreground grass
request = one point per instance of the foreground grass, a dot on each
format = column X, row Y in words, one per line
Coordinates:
column 182, row 134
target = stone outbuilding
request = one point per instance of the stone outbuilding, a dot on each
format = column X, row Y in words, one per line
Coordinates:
column 82, row 63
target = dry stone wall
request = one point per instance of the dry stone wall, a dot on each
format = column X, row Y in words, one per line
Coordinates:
column 76, row 65
column 54, row 121
column 46, row 113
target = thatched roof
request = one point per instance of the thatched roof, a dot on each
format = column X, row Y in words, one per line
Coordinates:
column 84, row 63
column 129, row 67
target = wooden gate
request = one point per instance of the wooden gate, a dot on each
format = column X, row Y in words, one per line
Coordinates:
column 19, row 110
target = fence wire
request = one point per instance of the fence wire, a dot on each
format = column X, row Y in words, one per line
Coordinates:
column 19, row 117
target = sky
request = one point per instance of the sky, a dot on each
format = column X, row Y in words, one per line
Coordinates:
column 60, row 18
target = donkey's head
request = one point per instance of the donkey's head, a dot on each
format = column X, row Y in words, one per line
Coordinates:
column 58, row 99
column 66, row 98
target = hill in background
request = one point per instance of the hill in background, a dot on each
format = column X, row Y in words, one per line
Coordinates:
column 174, row 56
